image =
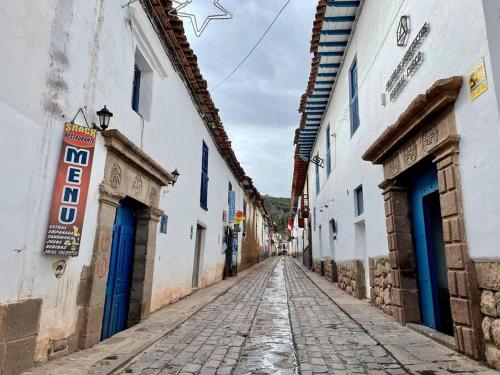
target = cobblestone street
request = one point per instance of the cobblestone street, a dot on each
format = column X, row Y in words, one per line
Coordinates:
column 249, row 330
column 279, row 318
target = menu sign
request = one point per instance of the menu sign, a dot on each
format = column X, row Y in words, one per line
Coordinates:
column 70, row 191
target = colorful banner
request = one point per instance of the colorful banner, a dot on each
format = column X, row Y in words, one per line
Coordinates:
column 239, row 217
column 70, row 191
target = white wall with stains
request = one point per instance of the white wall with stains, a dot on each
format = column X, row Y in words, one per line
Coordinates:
column 456, row 41
column 60, row 55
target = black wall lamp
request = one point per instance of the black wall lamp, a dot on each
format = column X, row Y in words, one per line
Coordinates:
column 104, row 116
column 176, row 175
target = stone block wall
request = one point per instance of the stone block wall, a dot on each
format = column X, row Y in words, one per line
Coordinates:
column 351, row 278
column 330, row 269
column 488, row 275
column 18, row 334
column 318, row 266
column 381, row 283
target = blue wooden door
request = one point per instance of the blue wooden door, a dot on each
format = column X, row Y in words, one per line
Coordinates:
column 120, row 273
column 423, row 186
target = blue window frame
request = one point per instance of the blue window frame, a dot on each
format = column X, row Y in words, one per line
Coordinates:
column 328, row 154
column 353, row 100
column 204, row 178
column 317, row 179
column 358, row 201
column 136, row 89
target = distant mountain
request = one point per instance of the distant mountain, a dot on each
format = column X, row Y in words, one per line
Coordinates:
column 279, row 209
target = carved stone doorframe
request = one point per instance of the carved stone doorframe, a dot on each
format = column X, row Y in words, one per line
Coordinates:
column 129, row 172
column 426, row 129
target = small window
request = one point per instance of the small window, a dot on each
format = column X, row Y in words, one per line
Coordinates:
column 358, row 201
column 204, row 178
column 328, row 154
column 314, row 218
column 317, row 179
column 136, row 89
column 353, row 100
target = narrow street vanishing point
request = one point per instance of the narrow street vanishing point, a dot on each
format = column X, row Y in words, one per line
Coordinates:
column 280, row 319
column 249, row 187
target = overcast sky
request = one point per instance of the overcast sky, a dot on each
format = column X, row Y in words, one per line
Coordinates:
column 258, row 105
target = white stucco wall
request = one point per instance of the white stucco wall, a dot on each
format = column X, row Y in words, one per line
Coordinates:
column 456, row 41
column 64, row 55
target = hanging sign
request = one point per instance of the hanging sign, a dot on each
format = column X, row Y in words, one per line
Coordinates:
column 231, row 201
column 70, row 191
column 477, row 79
column 239, row 217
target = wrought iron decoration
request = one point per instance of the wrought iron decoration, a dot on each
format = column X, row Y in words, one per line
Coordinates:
column 318, row 161
column 403, row 31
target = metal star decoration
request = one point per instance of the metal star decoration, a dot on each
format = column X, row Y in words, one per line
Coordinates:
column 198, row 30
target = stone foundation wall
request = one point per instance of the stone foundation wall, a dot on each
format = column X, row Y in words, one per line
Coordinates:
column 488, row 275
column 318, row 266
column 330, row 269
column 18, row 334
column 351, row 278
column 381, row 283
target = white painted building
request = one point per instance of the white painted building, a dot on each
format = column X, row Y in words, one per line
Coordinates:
column 60, row 56
column 354, row 116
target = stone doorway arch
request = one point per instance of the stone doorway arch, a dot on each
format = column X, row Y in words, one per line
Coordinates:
column 129, row 172
column 426, row 130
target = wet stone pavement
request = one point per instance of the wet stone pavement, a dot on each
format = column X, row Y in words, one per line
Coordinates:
column 276, row 320
column 327, row 340
column 269, row 347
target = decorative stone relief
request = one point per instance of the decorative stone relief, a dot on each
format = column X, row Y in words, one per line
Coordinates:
column 137, row 186
column 115, row 180
column 430, row 138
column 410, row 152
column 153, row 196
column 394, row 165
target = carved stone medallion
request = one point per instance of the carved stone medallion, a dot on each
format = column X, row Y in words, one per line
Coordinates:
column 410, row 152
column 394, row 165
column 137, row 186
column 429, row 138
column 153, row 196
column 115, row 179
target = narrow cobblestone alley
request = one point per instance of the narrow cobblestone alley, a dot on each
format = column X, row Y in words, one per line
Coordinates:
column 249, row 330
column 277, row 319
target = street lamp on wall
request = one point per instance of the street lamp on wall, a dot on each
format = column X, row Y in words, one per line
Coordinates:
column 104, row 116
column 176, row 175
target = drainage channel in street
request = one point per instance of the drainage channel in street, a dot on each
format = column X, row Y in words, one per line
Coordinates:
column 269, row 347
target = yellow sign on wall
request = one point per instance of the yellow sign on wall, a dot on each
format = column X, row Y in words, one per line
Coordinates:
column 477, row 79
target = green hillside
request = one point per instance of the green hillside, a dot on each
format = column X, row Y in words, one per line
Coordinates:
column 279, row 209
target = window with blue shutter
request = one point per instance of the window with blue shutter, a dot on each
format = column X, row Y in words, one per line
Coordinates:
column 204, row 178
column 353, row 100
column 136, row 89
column 359, row 207
column 328, row 156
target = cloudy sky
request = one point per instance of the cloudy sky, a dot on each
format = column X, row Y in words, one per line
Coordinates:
column 258, row 105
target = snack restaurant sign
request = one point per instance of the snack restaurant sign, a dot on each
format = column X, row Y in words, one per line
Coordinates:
column 70, row 191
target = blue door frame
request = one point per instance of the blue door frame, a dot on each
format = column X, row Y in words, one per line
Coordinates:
column 423, row 185
column 120, row 273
